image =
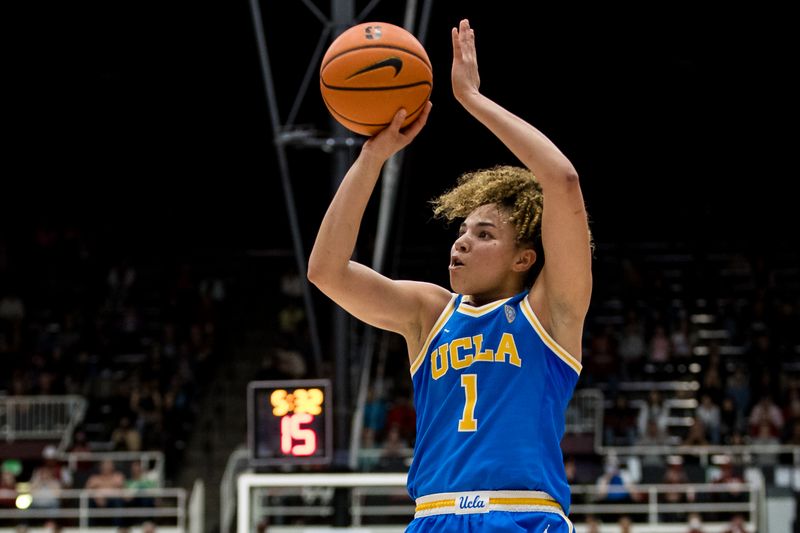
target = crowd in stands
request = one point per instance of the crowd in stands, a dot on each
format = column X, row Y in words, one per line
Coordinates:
column 137, row 339
column 83, row 312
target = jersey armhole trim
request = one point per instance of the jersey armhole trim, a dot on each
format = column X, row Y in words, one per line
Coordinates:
column 562, row 354
column 438, row 325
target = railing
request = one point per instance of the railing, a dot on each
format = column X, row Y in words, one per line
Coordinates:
column 647, row 502
column 152, row 461
column 585, row 412
column 76, row 507
column 744, row 454
column 379, row 502
column 40, row 417
column 238, row 462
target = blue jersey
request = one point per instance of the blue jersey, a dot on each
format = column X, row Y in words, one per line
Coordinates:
column 491, row 388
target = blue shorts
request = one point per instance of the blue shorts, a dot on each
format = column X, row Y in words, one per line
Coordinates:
column 492, row 522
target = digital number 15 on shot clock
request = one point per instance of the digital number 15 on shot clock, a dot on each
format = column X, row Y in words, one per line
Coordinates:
column 289, row 422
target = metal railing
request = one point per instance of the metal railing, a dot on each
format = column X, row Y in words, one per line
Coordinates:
column 40, row 417
column 296, row 501
column 152, row 461
column 78, row 507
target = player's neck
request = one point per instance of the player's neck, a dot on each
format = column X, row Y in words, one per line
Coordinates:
column 478, row 300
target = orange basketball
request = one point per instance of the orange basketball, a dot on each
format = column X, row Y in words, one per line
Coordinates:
column 370, row 71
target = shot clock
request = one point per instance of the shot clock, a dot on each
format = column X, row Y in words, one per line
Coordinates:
column 289, row 422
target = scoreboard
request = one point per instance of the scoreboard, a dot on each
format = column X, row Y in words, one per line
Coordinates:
column 289, row 422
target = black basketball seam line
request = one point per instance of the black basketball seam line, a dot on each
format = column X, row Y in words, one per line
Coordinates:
column 373, row 123
column 330, row 108
column 389, row 47
column 387, row 88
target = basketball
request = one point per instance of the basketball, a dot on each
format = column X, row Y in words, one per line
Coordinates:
column 370, row 71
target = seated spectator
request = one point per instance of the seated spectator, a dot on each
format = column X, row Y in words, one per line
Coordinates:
column 676, row 475
column 615, row 484
column 709, row 413
column 765, row 437
column 125, row 437
column 8, row 490
column 653, row 410
column 45, row 488
column 631, row 348
column 620, row 423
column 765, row 411
column 59, row 468
column 729, row 420
column 393, row 456
column 402, row 415
column 695, row 523
column 696, row 435
column 137, row 481
column 105, row 483
column 737, row 525
column 653, row 436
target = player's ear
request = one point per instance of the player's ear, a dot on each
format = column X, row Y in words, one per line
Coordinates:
column 525, row 259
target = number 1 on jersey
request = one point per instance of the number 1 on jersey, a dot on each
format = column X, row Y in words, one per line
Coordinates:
column 470, row 384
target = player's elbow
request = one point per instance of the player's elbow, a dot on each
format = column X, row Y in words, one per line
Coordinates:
column 569, row 178
column 320, row 272
column 315, row 273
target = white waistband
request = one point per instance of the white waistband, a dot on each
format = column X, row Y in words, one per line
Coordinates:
column 484, row 501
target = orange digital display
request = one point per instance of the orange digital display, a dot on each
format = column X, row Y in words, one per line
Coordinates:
column 289, row 422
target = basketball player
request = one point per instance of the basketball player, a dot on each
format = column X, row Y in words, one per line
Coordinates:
column 495, row 362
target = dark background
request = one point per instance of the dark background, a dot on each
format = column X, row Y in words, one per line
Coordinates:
column 152, row 118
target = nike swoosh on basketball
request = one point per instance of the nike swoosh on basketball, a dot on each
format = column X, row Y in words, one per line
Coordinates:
column 395, row 62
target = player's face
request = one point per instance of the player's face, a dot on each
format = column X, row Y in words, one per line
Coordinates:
column 483, row 256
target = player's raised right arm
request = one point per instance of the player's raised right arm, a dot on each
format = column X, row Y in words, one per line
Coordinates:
column 398, row 306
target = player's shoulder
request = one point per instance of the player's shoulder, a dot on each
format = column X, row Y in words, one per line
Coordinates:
column 430, row 296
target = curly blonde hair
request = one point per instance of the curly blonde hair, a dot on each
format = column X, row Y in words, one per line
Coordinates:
column 514, row 188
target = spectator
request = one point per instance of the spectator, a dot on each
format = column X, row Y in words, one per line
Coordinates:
column 681, row 339
column 727, row 475
column 791, row 412
column 659, row 346
column 45, row 488
column 765, row 411
column 676, row 475
column 620, row 423
column 697, row 434
column 765, row 436
column 653, row 436
column 713, row 381
column 104, row 484
column 653, row 410
column 738, row 388
column 709, row 414
column 136, row 482
column 375, row 411
column 8, row 489
column 125, row 437
column 61, row 472
column 615, row 484
column 393, row 455
column 729, row 420
column 695, row 523
column 632, row 347
column 401, row 414
column 737, row 525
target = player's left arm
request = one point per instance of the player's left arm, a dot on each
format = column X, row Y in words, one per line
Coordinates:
column 564, row 286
